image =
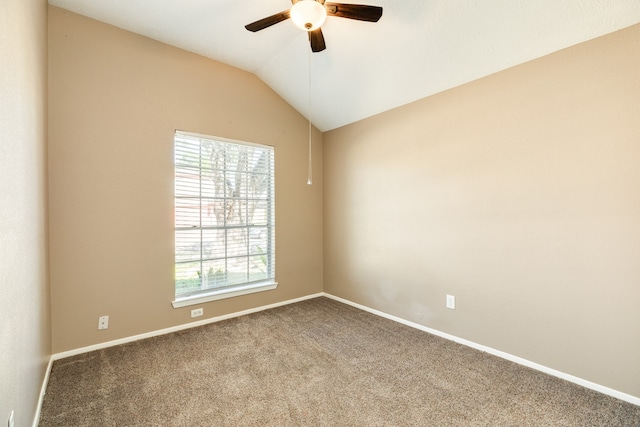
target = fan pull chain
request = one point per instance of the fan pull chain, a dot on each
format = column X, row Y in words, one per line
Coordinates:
column 309, row 170
column 310, row 173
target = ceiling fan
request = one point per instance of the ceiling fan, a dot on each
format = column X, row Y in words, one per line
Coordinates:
column 309, row 15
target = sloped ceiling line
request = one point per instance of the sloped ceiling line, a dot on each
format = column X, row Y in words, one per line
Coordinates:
column 417, row 49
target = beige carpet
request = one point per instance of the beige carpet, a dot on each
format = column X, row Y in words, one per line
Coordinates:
column 313, row 363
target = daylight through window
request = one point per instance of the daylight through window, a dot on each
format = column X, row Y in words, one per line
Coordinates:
column 224, row 216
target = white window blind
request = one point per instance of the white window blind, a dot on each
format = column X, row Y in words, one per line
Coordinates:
column 224, row 216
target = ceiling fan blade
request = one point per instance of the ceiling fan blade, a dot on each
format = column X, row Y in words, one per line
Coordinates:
column 360, row 12
column 317, row 40
column 268, row 21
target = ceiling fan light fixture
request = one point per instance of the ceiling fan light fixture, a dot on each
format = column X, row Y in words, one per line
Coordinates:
column 308, row 15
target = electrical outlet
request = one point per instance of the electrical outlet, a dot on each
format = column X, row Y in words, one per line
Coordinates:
column 196, row 312
column 10, row 422
column 103, row 322
column 451, row 302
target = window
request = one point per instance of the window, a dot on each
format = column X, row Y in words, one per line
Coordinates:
column 224, row 218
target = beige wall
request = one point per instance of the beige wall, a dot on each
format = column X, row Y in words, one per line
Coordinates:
column 115, row 100
column 517, row 193
column 25, row 335
column 520, row 195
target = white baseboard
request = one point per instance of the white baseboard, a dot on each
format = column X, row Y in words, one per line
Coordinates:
column 588, row 384
column 43, row 390
column 151, row 334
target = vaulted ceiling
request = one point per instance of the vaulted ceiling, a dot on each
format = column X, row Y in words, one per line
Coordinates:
column 418, row 48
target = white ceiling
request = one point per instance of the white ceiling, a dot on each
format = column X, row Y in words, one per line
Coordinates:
column 418, row 48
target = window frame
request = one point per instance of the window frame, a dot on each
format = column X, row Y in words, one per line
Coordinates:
column 206, row 294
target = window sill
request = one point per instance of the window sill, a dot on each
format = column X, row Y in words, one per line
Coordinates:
column 224, row 293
